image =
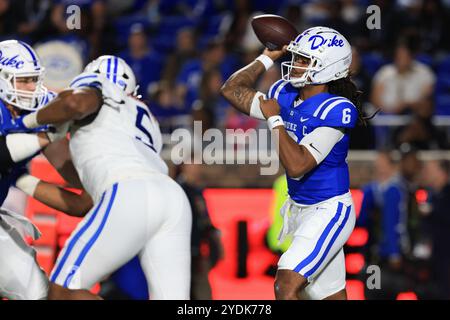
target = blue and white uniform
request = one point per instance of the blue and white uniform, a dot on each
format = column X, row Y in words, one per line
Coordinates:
column 322, row 214
column 138, row 209
column 20, row 276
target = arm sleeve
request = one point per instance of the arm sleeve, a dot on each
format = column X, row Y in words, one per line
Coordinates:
column 87, row 80
column 21, row 146
column 321, row 141
column 17, row 147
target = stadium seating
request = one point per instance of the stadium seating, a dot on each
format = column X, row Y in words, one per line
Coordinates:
column 442, row 104
column 372, row 62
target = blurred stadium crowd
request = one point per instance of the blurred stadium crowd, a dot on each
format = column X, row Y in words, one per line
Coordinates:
column 183, row 50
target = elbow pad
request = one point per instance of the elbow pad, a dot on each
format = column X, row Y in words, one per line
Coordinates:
column 321, row 141
column 21, row 146
column 255, row 110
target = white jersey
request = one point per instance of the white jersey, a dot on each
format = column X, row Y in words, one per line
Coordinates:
column 119, row 144
column 117, row 158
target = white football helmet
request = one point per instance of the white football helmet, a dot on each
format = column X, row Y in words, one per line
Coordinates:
column 116, row 70
column 19, row 60
column 329, row 52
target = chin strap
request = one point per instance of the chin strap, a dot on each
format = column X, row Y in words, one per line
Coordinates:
column 135, row 93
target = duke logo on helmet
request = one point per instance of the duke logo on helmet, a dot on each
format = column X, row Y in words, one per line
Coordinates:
column 12, row 61
column 18, row 60
column 329, row 54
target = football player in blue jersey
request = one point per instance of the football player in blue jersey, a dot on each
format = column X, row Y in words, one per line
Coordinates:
column 22, row 92
column 311, row 110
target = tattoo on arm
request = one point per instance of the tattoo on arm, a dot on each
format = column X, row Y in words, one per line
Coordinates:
column 238, row 89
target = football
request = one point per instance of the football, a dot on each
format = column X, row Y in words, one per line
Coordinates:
column 273, row 31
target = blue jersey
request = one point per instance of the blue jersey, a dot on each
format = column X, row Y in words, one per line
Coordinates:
column 9, row 175
column 331, row 177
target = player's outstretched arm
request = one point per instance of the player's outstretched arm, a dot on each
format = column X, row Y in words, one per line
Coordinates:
column 71, row 104
column 56, row 197
column 76, row 205
column 58, row 154
column 239, row 88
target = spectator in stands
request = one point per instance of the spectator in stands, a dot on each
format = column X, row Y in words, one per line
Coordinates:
column 191, row 9
column 345, row 17
column 384, row 213
column 239, row 24
column 362, row 137
column 421, row 133
column 122, row 8
column 8, row 18
column 93, row 20
column 34, row 20
column 189, row 78
column 383, row 38
column 210, row 100
column 203, row 232
column 405, row 86
column 388, row 195
column 145, row 62
column 360, row 76
column 436, row 178
column 167, row 107
column 185, row 50
column 294, row 13
column 418, row 235
column 434, row 26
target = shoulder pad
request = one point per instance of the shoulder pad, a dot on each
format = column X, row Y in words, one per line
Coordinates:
column 337, row 112
column 283, row 92
column 87, row 80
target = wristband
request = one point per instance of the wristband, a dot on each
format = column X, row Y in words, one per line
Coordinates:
column 265, row 60
column 275, row 121
column 27, row 183
column 30, row 120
